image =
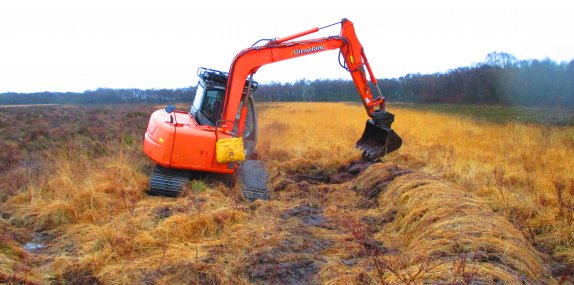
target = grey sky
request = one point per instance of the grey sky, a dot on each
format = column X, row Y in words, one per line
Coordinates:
column 77, row 45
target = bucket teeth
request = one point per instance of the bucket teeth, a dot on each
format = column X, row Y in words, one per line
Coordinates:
column 370, row 153
column 377, row 141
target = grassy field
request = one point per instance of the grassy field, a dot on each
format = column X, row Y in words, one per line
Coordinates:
column 463, row 200
column 501, row 114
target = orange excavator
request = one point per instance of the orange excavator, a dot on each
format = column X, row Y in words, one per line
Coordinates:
column 218, row 134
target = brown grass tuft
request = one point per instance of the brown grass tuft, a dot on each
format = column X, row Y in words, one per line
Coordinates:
column 434, row 219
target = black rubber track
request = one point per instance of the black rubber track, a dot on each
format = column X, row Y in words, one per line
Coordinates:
column 252, row 178
column 167, row 181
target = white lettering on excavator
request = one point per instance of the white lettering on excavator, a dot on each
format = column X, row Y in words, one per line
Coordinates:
column 307, row 50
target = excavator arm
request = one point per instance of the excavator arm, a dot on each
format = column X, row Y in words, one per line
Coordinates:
column 378, row 138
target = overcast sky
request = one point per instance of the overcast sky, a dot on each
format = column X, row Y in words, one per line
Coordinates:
column 78, row 45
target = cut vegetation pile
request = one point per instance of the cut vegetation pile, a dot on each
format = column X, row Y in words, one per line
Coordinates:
column 430, row 226
column 333, row 218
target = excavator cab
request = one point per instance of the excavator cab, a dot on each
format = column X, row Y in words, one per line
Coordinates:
column 209, row 100
column 208, row 103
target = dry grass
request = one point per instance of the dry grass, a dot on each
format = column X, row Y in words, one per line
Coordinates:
column 524, row 172
column 324, row 133
column 435, row 219
column 487, row 202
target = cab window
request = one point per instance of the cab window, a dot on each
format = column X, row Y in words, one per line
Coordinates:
column 212, row 104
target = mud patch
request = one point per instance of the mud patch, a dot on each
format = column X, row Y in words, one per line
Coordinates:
column 283, row 184
column 376, row 178
column 288, row 272
column 358, row 166
column 562, row 272
column 310, row 216
column 163, row 212
column 192, row 272
column 326, row 176
column 315, row 177
column 380, row 219
column 78, row 276
column 295, row 260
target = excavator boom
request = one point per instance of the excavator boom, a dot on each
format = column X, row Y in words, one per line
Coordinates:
column 378, row 138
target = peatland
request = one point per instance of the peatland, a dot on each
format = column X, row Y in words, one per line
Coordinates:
column 464, row 201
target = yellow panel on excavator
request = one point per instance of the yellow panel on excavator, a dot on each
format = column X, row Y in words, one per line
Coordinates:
column 229, row 150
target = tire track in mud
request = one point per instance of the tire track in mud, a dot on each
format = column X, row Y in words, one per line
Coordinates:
column 294, row 261
column 433, row 224
column 300, row 255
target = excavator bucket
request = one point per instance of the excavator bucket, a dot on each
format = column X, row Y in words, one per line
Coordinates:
column 377, row 141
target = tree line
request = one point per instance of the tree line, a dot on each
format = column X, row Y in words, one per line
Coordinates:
column 101, row 96
column 500, row 79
